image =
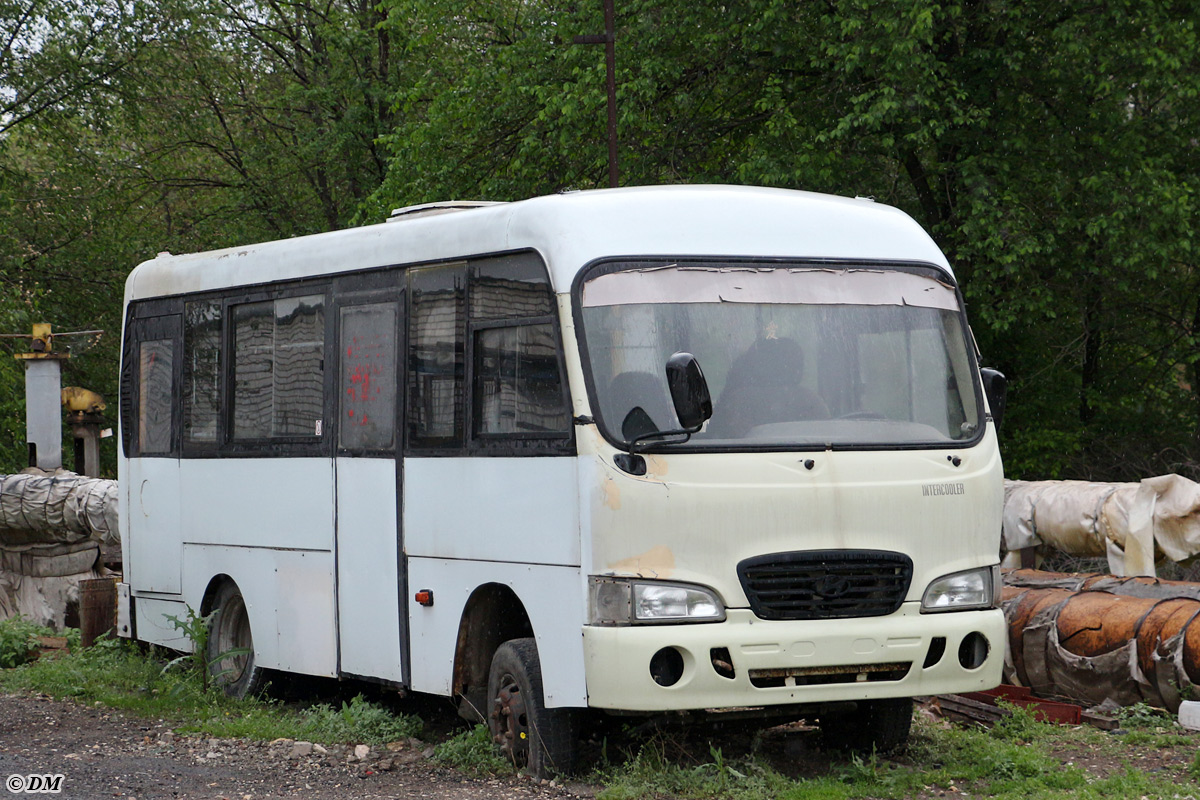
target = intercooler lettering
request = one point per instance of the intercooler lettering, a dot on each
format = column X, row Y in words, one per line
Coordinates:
column 939, row 489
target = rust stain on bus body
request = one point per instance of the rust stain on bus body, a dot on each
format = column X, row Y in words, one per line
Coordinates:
column 657, row 562
column 612, row 494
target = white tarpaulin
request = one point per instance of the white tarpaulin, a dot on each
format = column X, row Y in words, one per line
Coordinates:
column 51, row 528
column 1132, row 524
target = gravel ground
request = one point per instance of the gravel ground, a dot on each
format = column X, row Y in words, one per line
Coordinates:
column 103, row 754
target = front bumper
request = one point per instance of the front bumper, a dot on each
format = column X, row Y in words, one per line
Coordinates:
column 776, row 663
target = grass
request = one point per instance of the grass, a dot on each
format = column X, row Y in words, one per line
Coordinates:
column 1015, row 760
column 116, row 674
column 1020, row 758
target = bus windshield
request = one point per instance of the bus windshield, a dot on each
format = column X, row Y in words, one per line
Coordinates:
column 794, row 355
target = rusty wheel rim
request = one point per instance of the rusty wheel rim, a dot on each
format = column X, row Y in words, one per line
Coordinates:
column 512, row 726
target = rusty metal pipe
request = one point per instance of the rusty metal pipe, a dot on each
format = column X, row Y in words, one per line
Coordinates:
column 1097, row 637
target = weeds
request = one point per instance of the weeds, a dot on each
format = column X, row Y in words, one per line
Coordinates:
column 1145, row 716
column 1019, row 725
column 359, row 721
column 472, row 752
column 651, row 773
column 18, row 641
column 196, row 629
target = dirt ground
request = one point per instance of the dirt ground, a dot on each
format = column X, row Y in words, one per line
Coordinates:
column 104, row 754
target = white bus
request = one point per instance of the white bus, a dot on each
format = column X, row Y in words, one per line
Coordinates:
column 471, row 452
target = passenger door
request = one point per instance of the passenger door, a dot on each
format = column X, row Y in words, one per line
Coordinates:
column 370, row 556
column 153, row 482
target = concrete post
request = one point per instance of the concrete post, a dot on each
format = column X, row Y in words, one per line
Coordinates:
column 43, row 400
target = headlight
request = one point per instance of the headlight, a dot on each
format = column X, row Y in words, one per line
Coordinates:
column 976, row 588
column 625, row 601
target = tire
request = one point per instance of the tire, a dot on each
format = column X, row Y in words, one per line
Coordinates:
column 878, row 725
column 541, row 740
column 238, row 675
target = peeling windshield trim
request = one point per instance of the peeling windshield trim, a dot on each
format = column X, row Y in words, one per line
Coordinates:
column 823, row 286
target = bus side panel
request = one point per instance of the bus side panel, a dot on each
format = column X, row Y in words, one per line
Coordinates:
column 368, row 585
column 523, row 510
column 153, row 528
column 289, row 599
column 261, row 502
column 154, row 627
column 551, row 596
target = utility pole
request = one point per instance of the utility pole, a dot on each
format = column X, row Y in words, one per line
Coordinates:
column 609, row 40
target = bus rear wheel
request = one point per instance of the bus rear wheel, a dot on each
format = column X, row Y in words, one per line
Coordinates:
column 230, row 646
column 538, row 739
column 879, row 725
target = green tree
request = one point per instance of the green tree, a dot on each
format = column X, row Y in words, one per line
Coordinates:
column 1049, row 149
column 178, row 126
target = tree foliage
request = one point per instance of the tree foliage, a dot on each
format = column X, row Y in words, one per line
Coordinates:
column 179, row 126
column 1049, row 148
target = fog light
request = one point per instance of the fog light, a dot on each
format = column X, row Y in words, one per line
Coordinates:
column 973, row 651
column 666, row 667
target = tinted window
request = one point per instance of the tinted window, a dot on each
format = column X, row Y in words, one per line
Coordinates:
column 517, row 383
column 156, row 369
column 368, row 376
column 436, row 356
column 201, row 370
column 510, row 287
column 279, row 368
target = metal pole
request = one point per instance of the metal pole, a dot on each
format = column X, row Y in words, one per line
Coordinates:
column 610, row 53
column 609, row 40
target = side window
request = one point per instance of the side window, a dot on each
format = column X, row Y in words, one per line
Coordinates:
column 367, row 415
column 279, row 368
column 155, row 395
column 436, row 356
column 517, row 389
column 201, row 371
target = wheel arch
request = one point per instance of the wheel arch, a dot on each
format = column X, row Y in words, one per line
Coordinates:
column 492, row 615
column 210, row 592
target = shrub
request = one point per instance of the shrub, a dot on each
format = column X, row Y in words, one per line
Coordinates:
column 18, row 641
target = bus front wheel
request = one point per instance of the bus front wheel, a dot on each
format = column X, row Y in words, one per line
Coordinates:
column 230, row 646
column 539, row 739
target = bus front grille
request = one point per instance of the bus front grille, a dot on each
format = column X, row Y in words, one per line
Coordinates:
column 825, row 584
column 818, row 676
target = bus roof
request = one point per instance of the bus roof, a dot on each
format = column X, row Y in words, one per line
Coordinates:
column 570, row 230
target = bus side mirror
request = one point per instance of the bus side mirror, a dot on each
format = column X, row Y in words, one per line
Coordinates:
column 689, row 391
column 995, row 386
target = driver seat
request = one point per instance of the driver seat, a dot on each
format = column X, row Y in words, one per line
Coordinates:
column 763, row 387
